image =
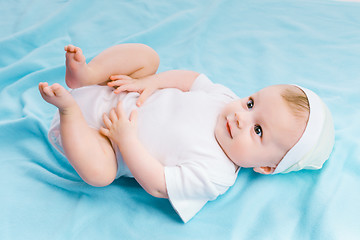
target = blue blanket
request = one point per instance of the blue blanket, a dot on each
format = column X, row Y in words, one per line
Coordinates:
column 245, row 45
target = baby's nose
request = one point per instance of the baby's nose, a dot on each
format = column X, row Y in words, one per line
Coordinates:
column 242, row 119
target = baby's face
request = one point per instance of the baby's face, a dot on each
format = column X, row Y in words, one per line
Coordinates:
column 257, row 131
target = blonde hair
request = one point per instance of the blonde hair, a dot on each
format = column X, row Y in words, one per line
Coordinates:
column 297, row 101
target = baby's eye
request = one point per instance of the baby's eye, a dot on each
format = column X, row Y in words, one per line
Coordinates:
column 250, row 103
column 258, row 130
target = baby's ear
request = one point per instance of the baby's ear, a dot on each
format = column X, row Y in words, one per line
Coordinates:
column 264, row 170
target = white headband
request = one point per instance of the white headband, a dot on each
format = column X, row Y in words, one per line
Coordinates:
column 318, row 136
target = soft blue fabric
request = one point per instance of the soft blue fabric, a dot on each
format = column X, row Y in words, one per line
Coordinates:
column 243, row 44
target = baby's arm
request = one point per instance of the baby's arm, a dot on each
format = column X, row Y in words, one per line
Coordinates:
column 148, row 171
column 180, row 79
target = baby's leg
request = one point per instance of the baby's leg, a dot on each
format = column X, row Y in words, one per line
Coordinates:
column 90, row 153
column 135, row 60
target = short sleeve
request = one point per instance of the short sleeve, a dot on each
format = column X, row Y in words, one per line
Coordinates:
column 203, row 83
column 189, row 189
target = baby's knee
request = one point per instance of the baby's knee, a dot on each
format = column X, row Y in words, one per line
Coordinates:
column 150, row 57
column 100, row 178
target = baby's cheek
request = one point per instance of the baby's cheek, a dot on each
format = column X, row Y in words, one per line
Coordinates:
column 245, row 149
column 237, row 150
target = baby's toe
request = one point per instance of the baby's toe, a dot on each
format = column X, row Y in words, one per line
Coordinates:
column 57, row 89
column 70, row 48
column 48, row 91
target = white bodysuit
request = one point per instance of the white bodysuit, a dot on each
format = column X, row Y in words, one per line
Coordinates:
column 177, row 128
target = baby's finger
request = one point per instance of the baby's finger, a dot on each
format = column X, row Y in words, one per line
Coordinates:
column 131, row 87
column 143, row 96
column 112, row 115
column 120, row 89
column 133, row 117
column 107, row 121
column 120, row 77
column 116, row 83
column 104, row 131
column 119, row 110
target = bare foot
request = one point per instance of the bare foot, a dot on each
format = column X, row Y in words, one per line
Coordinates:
column 57, row 95
column 77, row 71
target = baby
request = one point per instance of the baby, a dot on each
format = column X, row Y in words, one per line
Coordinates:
column 190, row 137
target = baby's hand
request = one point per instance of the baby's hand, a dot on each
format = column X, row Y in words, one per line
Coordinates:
column 118, row 127
column 145, row 86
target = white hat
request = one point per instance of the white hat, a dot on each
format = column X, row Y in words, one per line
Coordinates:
column 316, row 143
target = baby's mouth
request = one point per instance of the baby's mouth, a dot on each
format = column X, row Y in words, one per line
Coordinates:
column 228, row 128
